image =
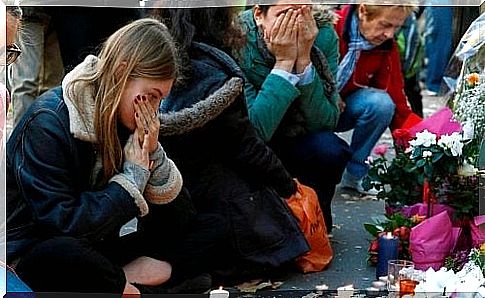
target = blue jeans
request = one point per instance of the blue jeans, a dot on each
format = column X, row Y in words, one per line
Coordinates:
column 318, row 160
column 369, row 112
column 437, row 43
column 39, row 68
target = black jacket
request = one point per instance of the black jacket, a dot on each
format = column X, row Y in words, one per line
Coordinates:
column 226, row 167
column 49, row 190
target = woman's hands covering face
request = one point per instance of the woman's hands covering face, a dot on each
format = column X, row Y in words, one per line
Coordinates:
column 137, row 152
column 147, row 122
column 307, row 32
column 291, row 38
column 281, row 41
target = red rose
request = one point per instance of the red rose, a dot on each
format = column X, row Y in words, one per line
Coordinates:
column 374, row 245
column 401, row 138
column 405, row 232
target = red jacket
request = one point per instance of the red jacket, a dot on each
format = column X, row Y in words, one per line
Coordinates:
column 379, row 67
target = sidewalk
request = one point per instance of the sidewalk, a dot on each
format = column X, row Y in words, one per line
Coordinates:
column 350, row 240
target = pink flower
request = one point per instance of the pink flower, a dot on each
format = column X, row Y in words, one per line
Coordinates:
column 381, row 149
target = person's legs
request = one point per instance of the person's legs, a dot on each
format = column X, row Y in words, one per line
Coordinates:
column 52, row 69
column 413, row 93
column 190, row 242
column 25, row 72
column 369, row 112
column 438, row 32
column 317, row 160
column 66, row 264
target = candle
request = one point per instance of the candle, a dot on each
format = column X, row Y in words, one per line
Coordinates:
column 345, row 291
column 219, row 293
column 387, row 251
column 378, row 284
column 371, row 291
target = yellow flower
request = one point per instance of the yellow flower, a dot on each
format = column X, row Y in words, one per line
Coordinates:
column 415, row 219
column 482, row 248
column 473, row 79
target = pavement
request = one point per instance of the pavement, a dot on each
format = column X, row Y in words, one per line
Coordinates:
column 350, row 241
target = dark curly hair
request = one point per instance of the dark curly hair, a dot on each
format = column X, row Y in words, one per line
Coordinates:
column 215, row 26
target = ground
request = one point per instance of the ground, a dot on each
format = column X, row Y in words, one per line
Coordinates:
column 350, row 241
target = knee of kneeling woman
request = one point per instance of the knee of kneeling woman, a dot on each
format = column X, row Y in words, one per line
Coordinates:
column 167, row 271
column 381, row 105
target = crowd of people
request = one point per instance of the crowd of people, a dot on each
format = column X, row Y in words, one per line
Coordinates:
column 192, row 126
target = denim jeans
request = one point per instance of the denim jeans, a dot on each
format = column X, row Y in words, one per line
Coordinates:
column 437, row 43
column 318, row 160
column 39, row 67
column 369, row 112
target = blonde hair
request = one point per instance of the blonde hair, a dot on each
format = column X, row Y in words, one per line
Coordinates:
column 373, row 11
column 141, row 49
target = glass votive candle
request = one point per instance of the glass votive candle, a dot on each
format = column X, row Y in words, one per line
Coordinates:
column 399, row 270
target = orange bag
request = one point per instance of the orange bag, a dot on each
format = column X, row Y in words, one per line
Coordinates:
column 304, row 205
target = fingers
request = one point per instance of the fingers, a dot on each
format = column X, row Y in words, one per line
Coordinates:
column 277, row 26
column 292, row 25
column 145, row 148
column 284, row 23
column 145, row 116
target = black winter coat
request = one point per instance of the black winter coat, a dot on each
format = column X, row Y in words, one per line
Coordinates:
column 226, row 167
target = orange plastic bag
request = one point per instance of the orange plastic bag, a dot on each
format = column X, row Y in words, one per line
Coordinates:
column 304, row 205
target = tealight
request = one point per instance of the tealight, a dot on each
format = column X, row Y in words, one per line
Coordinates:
column 383, row 278
column 371, row 291
column 378, row 284
column 219, row 293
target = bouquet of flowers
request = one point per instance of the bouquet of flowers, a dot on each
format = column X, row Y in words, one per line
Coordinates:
column 427, row 168
column 469, row 108
column 399, row 225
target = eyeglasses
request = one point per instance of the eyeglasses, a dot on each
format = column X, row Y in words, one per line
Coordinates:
column 13, row 52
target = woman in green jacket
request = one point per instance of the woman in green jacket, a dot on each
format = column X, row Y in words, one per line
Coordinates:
column 290, row 61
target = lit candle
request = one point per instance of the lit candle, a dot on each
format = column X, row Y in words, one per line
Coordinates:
column 219, row 293
column 371, row 291
column 378, row 284
column 387, row 251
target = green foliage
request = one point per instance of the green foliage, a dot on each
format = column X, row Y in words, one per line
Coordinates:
column 401, row 181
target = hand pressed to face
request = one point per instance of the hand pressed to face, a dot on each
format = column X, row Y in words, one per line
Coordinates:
column 153, row 91
column 307, row 32
column 290, row 40
column 281, row 41
column 147, row 122
column 135, row 152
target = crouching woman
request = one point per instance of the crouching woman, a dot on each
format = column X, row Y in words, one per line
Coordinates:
column 84, row 160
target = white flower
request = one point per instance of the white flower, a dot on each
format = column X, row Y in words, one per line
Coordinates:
column 468, row 130
column 427, row 153
column 467, row 170
column 453, row 143
column 424, row 138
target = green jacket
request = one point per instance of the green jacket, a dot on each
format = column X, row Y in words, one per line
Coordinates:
column 269, row 97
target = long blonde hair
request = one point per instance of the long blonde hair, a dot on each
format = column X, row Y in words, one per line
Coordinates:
column 141, row 49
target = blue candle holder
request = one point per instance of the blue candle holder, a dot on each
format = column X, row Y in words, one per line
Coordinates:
column 388, row 250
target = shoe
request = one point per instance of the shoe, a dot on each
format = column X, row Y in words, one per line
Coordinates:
column 196, row 285
column 351, row 182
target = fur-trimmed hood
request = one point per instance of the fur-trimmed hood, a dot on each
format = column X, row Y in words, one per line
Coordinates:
column 215, row 82
column 324, row 15
column 82, row 109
